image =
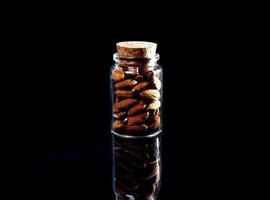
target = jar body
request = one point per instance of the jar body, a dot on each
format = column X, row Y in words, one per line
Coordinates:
column 136, row 92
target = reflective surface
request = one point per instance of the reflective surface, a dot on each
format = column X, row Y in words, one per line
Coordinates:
column 136, row 167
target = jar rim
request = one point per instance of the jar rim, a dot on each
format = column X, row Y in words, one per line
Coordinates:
column 154, row 59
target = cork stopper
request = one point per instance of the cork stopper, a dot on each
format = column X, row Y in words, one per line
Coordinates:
column 136, row 49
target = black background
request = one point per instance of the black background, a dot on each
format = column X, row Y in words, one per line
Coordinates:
column 56, row 104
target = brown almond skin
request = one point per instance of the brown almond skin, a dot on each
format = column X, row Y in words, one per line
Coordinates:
column 152, row 114
column 137, row 108
column 127, row 103
column 137, row 119
column 154, row 105
column 137, row 128
column 150, row 94
column 132, row 63
column 118, row 75
column 155, row 124
column 125, row 84
column 117, row 124
column 138, row 77
column 119, row 115
column 140, row 86
column 146, row 69
column 115, row 107
column 149, row 75
column 123, row 94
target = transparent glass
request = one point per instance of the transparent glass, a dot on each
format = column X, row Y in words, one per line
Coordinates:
column 136, row 91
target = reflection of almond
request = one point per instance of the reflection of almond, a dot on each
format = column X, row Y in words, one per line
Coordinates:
column 118, row 75
column 123, row 94
column 117, row 124
column 127, row 103
column 136, row 128
column 140, row 86
column 150, row 94
column 154, row 170
column 137, row 119
column 154, row 105
column 137, row 108
column 158, row 176
column 119, row 115
column 125, row 84
column 155, row 124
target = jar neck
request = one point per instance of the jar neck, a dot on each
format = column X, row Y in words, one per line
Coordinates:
column 128, row 61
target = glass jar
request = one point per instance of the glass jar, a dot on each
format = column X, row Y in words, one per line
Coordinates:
column 136, row 90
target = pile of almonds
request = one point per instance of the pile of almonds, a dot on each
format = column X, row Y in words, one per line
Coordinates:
column 136, row 108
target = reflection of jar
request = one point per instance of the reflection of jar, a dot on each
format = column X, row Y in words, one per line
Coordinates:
column 137, row 167
column 136, row 87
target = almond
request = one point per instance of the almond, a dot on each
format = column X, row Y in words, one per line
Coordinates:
column 154, row 105
column 147, row 70
column 123, row 94
column 133, row 63
column 148, row 75
column 138, row 77
column 118, row 75
column 140, row 86
column 131, row 71
column 137, row 108
column 119, row 115
column 137, row 119
column 115, row 107
column 155, row 124
column 125, row 84
column 136, row 128
column 117, row 124
column 152, row 114
column 150, row 94
column 127, row 103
